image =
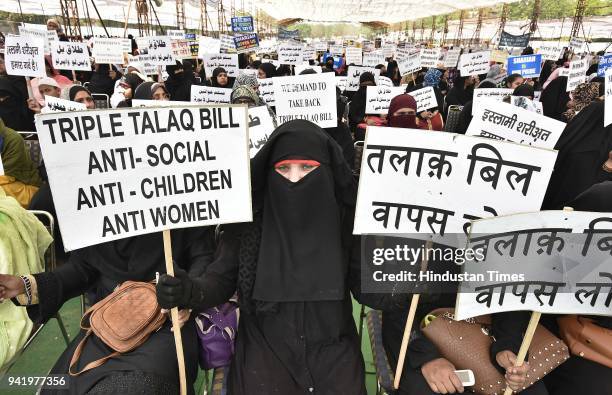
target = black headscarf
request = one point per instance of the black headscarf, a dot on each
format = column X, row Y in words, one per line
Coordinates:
column 554, row 99
column 525, row 90
column 74, row 89
column 583, row 148
column 215, row 74
column 269, row 69
column 14, row 110
column 180, row 79
column 301, row 253
column 598, row 198
column 391, row 67
column 459, row 94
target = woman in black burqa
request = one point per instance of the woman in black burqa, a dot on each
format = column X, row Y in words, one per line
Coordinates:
column 151, row 368
column 294, row 267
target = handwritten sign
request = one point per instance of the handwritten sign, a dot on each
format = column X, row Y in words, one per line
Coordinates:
column 577, row 73
column 308, row 53
column 242, row 24
column 181, row 49
column 384, row 81
column 550, row 51
column 266, row 91
column 499, row 56
column 482, row 95
column 378, row 98
column 228, row 61
column 290, row 54
column 431, row 57
column 415, row 181
column 176, row 34
column 54, row 104
column 529, row 66
column 24, row 56
column 135, row 171
column 208, row 45
column 246, row 42
column 577, row 45
column 70, row 56
column 425, row 98
column 451, row 57
column 210, row 94
column 107, row 50
column 353, row 74
column 311, row 97
column 373, row 58
column 353, row 55
column 409, row 63
column 558, row 262
column 503, row 121
column 474, row 63
column 388, row 50
column 159, row 50
column 261, row 127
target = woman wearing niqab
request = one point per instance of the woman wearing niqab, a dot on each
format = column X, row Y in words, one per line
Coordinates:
column 294, row 267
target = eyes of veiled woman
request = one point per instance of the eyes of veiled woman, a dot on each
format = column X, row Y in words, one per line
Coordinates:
column 294, row 171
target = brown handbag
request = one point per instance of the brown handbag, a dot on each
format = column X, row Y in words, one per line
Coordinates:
column 123, row 321
column 587, row 339
column 466, row 344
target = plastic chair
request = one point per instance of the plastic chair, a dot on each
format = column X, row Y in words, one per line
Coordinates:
column 101, row 100
column 452, row 118
column 384, row 373
column 33, row 147
column 358, row 155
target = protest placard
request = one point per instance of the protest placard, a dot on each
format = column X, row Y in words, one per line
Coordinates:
column 527, row 104
column 336, row 50
column 159, row 50
column 70, row 56
column 242, row 24
column 499, row 56
column 558, row 265
column 373, row 59
column 176, row 34
column 261, row 127
column 564, row 71
column 353, row 74
column 208, row 45
column 266, row 91
column 40, row 32
column 353, row 55
column 388, row 50
column 290, row 54
column 379, row 97
column 246, row 42
column 181, row 49
column 210, row 94
column 605, row 62
column 409, row 63
column 24, row 56
column 285, row 34
column 452, row 57
column 414, row 181
column 311, row 97
column 608, row 98
column 474, row 63
column 551, row 51
column 384, row 81
column 486, row 94
column 107, row 50
column 308, row 53
column 511, row 40
column 577, row 45
column 425, row 98
column 529, row 66
column 341, row 83
column 54, row 104
column 431, row 57
column 227, row 44
column 320, row 46
column 502, row 121
column 301, row 67
column 228, row 61
column 577, row 73
column 131, row 171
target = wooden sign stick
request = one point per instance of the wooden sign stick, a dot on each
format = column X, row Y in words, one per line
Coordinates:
column 409, row 321
column 520, row 358
column 74, row 78
column 178, row 339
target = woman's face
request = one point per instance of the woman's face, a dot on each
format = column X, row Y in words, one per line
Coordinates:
column 244, row 100
column 295, row 170
column 160, row 94
column 516, row 83
column 85, row 98
column 222, row 79
column 261, row 74
column 404, row 111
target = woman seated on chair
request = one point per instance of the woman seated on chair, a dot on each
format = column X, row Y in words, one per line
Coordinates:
column 150, row 369
column 294, row 267
column 20, row 178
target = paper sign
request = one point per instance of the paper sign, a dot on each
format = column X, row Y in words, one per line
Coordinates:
column 373, row 59
column 577, row 74
column 70, row 56
column 431, row 57
column 107, row 50
column 321, row 47
column 451, row 57
column 384, row 81
column 499, row 56
column 503, row 121
column 341, row 83
column 208, row 45
column 482, row 95
column 388, row 50
column 246, row 42
column 577, row 45
column 415, row 181
column 409, row 63
column 266, row 91
column 210, row 94
column 311, row 97
column 176, row 34
column 605, row 62
column 290, row 54
column 353, row 56
column 227, row 44
column 39, row 32
column 181, row 49
column 550, row 51
column 24, row 56
column 54, row 104
column 353, row 74
column 159, row 50
column 336, row 50
column 228, row 61
column 529, row 66
column 132, row 171
column 308, row 53
column 378, row 98
column 261, row 127
column 608, row 98
column 558, row 260
column 242, row 24
column 425, row 98
column 474, row 63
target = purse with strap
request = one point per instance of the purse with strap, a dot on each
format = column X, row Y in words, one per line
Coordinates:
column 123, row 321
column 587, row 339
column 466, row 344
column 216, row 328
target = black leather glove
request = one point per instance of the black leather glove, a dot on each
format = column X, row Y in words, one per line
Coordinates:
column 174, row 291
